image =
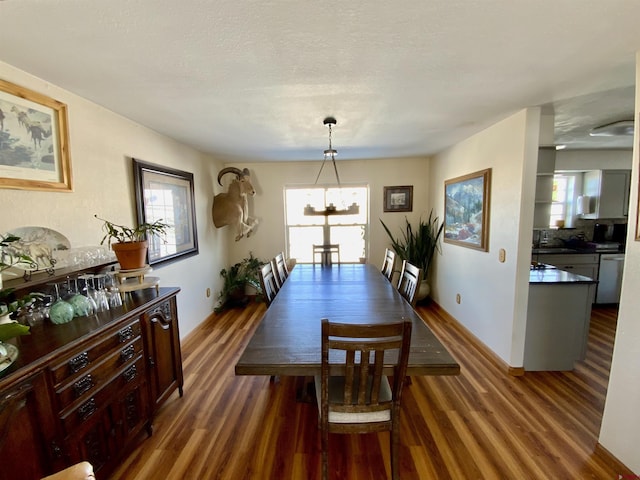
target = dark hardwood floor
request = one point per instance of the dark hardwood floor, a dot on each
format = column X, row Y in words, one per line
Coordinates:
column 482, row 424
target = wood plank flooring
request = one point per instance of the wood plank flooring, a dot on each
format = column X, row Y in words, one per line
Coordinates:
column 482, row 424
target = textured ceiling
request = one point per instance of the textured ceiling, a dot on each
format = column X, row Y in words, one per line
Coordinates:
column 253, row 80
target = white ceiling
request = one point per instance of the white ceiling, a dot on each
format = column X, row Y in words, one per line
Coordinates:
column 253, row 80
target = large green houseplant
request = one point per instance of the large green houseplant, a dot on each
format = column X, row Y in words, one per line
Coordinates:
column 418, row 244
column 130, row 243
column 236, row 279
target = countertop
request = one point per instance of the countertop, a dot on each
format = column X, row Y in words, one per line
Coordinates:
column 565, row 250
column 551, row 275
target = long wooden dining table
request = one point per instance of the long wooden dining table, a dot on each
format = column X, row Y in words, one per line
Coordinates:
column 287, row 340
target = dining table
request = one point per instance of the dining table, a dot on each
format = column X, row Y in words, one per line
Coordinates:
column 287, row 340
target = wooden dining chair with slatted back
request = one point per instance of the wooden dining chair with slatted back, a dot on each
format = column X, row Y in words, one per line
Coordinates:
column 388, row 264
column 280, row 270
column 268, row 283
column 354, row 394
column 410, row 278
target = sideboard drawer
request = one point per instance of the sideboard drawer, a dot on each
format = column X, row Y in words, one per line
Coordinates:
column 98, row 373
column 83, row 409
column 80, row 363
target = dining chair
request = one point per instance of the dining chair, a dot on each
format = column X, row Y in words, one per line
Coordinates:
column 353, row 394
column 268, row 283
column 410, row 278
column 280, row 268
column 388, row 264
column 326, row 253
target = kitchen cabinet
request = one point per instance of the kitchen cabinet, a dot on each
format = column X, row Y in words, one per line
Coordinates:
column 608, row 191
column 544, row 187
column 86, row 389
column 585, row 264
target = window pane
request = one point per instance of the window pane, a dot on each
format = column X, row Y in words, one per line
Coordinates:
column 349, row 231
column 351, row 241
column 301, row 241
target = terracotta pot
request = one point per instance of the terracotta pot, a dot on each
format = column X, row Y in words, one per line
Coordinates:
column 131, row 255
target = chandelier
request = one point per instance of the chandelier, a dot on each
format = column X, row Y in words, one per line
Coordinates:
column 331, row 153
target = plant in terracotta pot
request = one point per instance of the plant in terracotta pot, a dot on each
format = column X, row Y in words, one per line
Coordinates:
column 130, row 243
column 418, row 245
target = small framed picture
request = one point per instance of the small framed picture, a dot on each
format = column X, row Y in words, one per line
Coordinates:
column 398, row 199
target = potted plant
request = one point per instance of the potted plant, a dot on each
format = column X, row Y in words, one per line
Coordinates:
column 9, row 328
column 418, row 245
column 130, row 243
column 237, row 278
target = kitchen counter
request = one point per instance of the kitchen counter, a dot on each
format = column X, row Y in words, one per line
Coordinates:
column 558, row 316
column 551, row 275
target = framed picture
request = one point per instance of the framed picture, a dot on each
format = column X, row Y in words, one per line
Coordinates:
column 466, row 203
column 34, row 141
column 398, row 199
column 166, row 194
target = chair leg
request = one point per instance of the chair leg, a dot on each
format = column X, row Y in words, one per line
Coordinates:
column 325, row 454
column 395, row 443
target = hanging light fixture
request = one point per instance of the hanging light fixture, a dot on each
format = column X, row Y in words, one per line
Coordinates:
column 331, row 153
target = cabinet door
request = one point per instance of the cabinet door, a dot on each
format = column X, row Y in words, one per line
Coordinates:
column 25, row 431
column 162, row 341
column 614, row 194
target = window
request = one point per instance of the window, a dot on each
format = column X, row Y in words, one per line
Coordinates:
column 351, row 232
column 562, row 200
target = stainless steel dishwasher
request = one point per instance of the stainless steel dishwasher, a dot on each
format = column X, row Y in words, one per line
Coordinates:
column 610, row 278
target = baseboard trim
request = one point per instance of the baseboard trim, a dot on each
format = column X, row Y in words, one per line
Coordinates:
column 486, row 351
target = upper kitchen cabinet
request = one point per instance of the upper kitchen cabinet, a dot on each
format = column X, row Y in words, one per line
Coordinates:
column 544, row 187
column 608, row 192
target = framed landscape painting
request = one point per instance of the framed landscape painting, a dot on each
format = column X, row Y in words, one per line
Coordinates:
column 34, row 141
column 167, row 194
column 466, row 202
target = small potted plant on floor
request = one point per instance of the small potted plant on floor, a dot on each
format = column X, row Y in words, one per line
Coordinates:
column 237, row 278
column 130, row 243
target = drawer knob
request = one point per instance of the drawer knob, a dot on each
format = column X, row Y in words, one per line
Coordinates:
column 83, row 385
column 127, row 353
column 87, row 409
column 125, row 334
column 78, row 363
column 130, row 373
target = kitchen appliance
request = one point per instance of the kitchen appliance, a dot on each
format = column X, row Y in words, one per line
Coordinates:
column 600, row 232
column 610, row 278
column 619, row 233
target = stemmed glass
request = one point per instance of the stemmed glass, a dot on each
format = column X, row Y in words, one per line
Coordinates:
column 82, row 306
column 111, row 285
column 102, row 301
column 60, row 311
column 87, row 289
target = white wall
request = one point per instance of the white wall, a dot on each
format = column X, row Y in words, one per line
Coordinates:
column 493, row 294
column 620, row 431
column 102, row 144
column 271, row 178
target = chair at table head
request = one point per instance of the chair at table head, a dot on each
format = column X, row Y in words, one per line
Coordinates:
column 280, row 269
column 410, row 278
column 326, row 253
column 359, row 398
column 388, row 264
column 268, row 283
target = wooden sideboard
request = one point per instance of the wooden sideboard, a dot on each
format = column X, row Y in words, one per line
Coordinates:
column 85, row 390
